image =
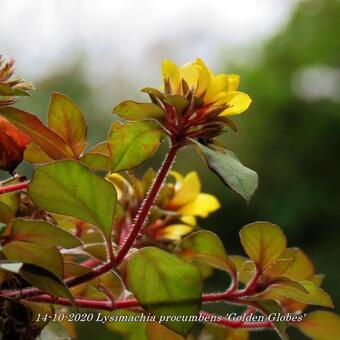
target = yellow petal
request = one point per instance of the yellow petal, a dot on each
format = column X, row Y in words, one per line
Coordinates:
column 191, row 220
column 171, row 73
column 121, row 185
column 178, row 177
column 176, row 231
column 217, row 85
column 202, row 206
column 204, row 77
column 237, row 102
column 190, row 73
column 233, row 82
column 187, row 191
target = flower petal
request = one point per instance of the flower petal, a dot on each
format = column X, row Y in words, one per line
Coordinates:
column 233, row 82
column 202, row 206
column 187, row 219
column 171, row 73
column 187, row 192
column 217, row 85
column 237, row 102
column 175, row 232
column 190, row 73
column 204, row 78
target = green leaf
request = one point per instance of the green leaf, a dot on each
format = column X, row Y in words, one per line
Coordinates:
column 180, row 103
column 7, row 90
column 263, row 242
column 45, row 280
column 134, row 111
column 50, row 142
column 92, row 289
column 153, row 93
column 131, row 330
column 70, row 188
column 9, row 203
column 320, row 325
column 35, row 155
column 65, row 118
column 6, row 213
column 245, row 268
column 205, row 246
column 46, row 257
column 96, row 161
column 75, row 269
column 39, row 278
column 230, row 170
column 165, row 286
column 131, row 144
column 277, row 268
column 311, row 295
column 302, row 267
column 269, row 307
column 98, row 158
column 43, row 233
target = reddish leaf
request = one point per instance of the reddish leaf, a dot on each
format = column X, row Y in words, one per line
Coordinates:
column 12, row 145
column 68, row 122
column 51, row 143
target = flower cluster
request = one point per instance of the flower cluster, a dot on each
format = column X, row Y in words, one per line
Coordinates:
column 193, row 102
column 174, row 214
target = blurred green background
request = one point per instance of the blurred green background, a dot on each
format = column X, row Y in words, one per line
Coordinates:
column 290, row 135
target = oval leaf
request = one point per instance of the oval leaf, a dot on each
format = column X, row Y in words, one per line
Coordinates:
column 310, row 295
column 131, row 110
column 65, row 118
column 232, row 172
column 39, row 278
column 206, row 247
column 51, row 143
column 43, row 233
column 263, row 242
column 45, row 280
column 270, row 307
column 47, row 257
column 13, row 142
column 165, row 286
column 131, row 144
column 70, row 188
column 320, row 325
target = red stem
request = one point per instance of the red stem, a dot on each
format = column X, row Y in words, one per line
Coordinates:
column 85, row 303
column 147, row 204
column 14, row 187
column 140, row 220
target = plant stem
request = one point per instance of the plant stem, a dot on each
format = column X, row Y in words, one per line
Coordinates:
column 147, row 204
column 14, row 187
column 137, row 226
column 85, row 303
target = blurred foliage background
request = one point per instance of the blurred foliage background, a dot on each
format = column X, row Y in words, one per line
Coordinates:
column 290, row 136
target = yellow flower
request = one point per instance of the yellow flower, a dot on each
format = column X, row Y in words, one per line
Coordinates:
column 216, row 91
column 177, row 208
column 188, row 202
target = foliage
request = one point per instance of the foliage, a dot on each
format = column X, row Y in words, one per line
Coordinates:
column 89, row 233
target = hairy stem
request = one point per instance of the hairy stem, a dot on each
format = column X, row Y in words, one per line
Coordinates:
column 128, row 243
column 147, row 204
column 14, row 187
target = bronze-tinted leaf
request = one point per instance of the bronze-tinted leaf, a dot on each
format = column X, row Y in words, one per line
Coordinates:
column 13, row 142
